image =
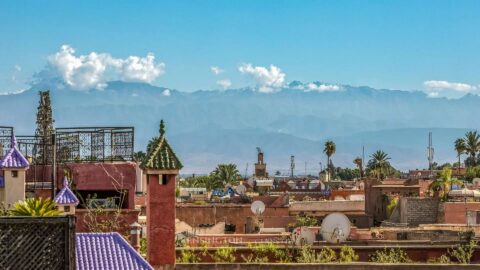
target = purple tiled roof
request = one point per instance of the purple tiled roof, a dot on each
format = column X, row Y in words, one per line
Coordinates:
column 14, row 159
column 107, row 251
column 2, row 182
column 66, row 196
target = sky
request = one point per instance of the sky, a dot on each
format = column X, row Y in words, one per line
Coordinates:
column 431, row 46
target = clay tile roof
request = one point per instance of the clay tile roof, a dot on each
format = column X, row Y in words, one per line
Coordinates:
column 107, row 251
column 13, row 158
column 66, row 196
column 160, row 155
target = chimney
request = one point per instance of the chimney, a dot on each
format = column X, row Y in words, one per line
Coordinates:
column 161, row 167
column 135, row 235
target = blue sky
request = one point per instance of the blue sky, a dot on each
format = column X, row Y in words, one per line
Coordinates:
column 383, row 44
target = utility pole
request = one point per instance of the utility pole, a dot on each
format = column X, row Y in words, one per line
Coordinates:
column 430, row 152
column 292, row 165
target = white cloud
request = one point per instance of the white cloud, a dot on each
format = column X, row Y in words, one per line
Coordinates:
column 140, row 69
column 216, row 70
column 267, row 79
column 224, row 83
column 95, row 69
column 322, row 87
column 166, row 92
column 461, row 87
column 448, row 89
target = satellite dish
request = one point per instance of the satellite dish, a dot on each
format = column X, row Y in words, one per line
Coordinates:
column 241, row 189
column 335, row 228
column 258, row 207
column 303, row 236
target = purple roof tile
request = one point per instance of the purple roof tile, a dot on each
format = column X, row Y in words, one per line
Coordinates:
column 66, row 196
column 107, row 251
column 14, row 159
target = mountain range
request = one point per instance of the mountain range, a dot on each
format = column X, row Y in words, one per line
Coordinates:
column 208, row 127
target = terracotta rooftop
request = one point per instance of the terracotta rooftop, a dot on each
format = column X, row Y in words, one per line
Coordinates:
column 14, row 159
column 107, row 251
column 66, row 196
column 160, row 155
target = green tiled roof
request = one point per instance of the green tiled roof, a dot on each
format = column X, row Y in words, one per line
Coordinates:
column 160, row 155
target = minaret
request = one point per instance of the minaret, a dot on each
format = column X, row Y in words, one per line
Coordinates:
column 161, row 167
column 12, row 183
column 66, row 199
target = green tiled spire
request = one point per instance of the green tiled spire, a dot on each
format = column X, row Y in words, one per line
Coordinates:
column 160, row 155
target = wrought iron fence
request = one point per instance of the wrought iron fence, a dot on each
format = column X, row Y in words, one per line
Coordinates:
column 89, row 144
column 37, row 243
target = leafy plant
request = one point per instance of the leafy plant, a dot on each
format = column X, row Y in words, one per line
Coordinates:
column 347, row 255
column 391, row 255
column 188, row 256
column 262, row 252
column 464, row 252
column 444, row 259
column 301, row 221
column 224, row 254
column 307, row 255
column 143, row 247
column 391, row 206
column 35, row 208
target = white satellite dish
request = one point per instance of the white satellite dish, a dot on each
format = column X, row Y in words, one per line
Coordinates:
column 335, row 228
column 303, row 236
column 258, row 207
column 241, row 189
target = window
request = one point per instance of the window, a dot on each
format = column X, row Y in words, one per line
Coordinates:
column 164, row 179
column 66, row 208
column 14, row 174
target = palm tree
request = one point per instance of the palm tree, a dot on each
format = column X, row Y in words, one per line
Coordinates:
column 35, row 208
column 444, row 183
column 472, row 145
column 359, row 162
column 226, row 173
column 329, row 150
column 460, row 148
column 378, row 163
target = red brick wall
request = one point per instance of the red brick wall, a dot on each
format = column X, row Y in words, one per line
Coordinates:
column 161, row 221
column 455, row 212
column 230, row 213
column 127, row 217
column 91, row 176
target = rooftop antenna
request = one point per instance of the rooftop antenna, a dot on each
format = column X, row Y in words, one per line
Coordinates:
column 363, row 157
column 305, row 168
column 292, row 165
column 246, row 171
column 335, row 228
column 430, row 151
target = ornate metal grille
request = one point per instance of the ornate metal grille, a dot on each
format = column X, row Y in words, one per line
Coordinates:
column 74, row 145
column 95, row 144
column 37, row 243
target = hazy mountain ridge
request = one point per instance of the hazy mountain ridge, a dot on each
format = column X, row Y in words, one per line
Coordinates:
column 210, row 127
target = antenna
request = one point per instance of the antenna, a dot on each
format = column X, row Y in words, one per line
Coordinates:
column 305, row 168
column 292, row 165
column 430, row 151
column 246, row 171
column 335, row 228
column 363, row 157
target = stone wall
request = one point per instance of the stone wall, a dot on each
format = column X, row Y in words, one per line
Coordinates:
column 415, row 211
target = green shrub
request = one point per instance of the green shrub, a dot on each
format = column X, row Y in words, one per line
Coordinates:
column 444, row 259
column 224, row 254
column 188, row 256
column 308, row 255
column 261, row 253
column 392, row 255
column 463, row 253
column 347, row 255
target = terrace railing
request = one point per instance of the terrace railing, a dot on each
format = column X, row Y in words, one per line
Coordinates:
column 37, row 243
